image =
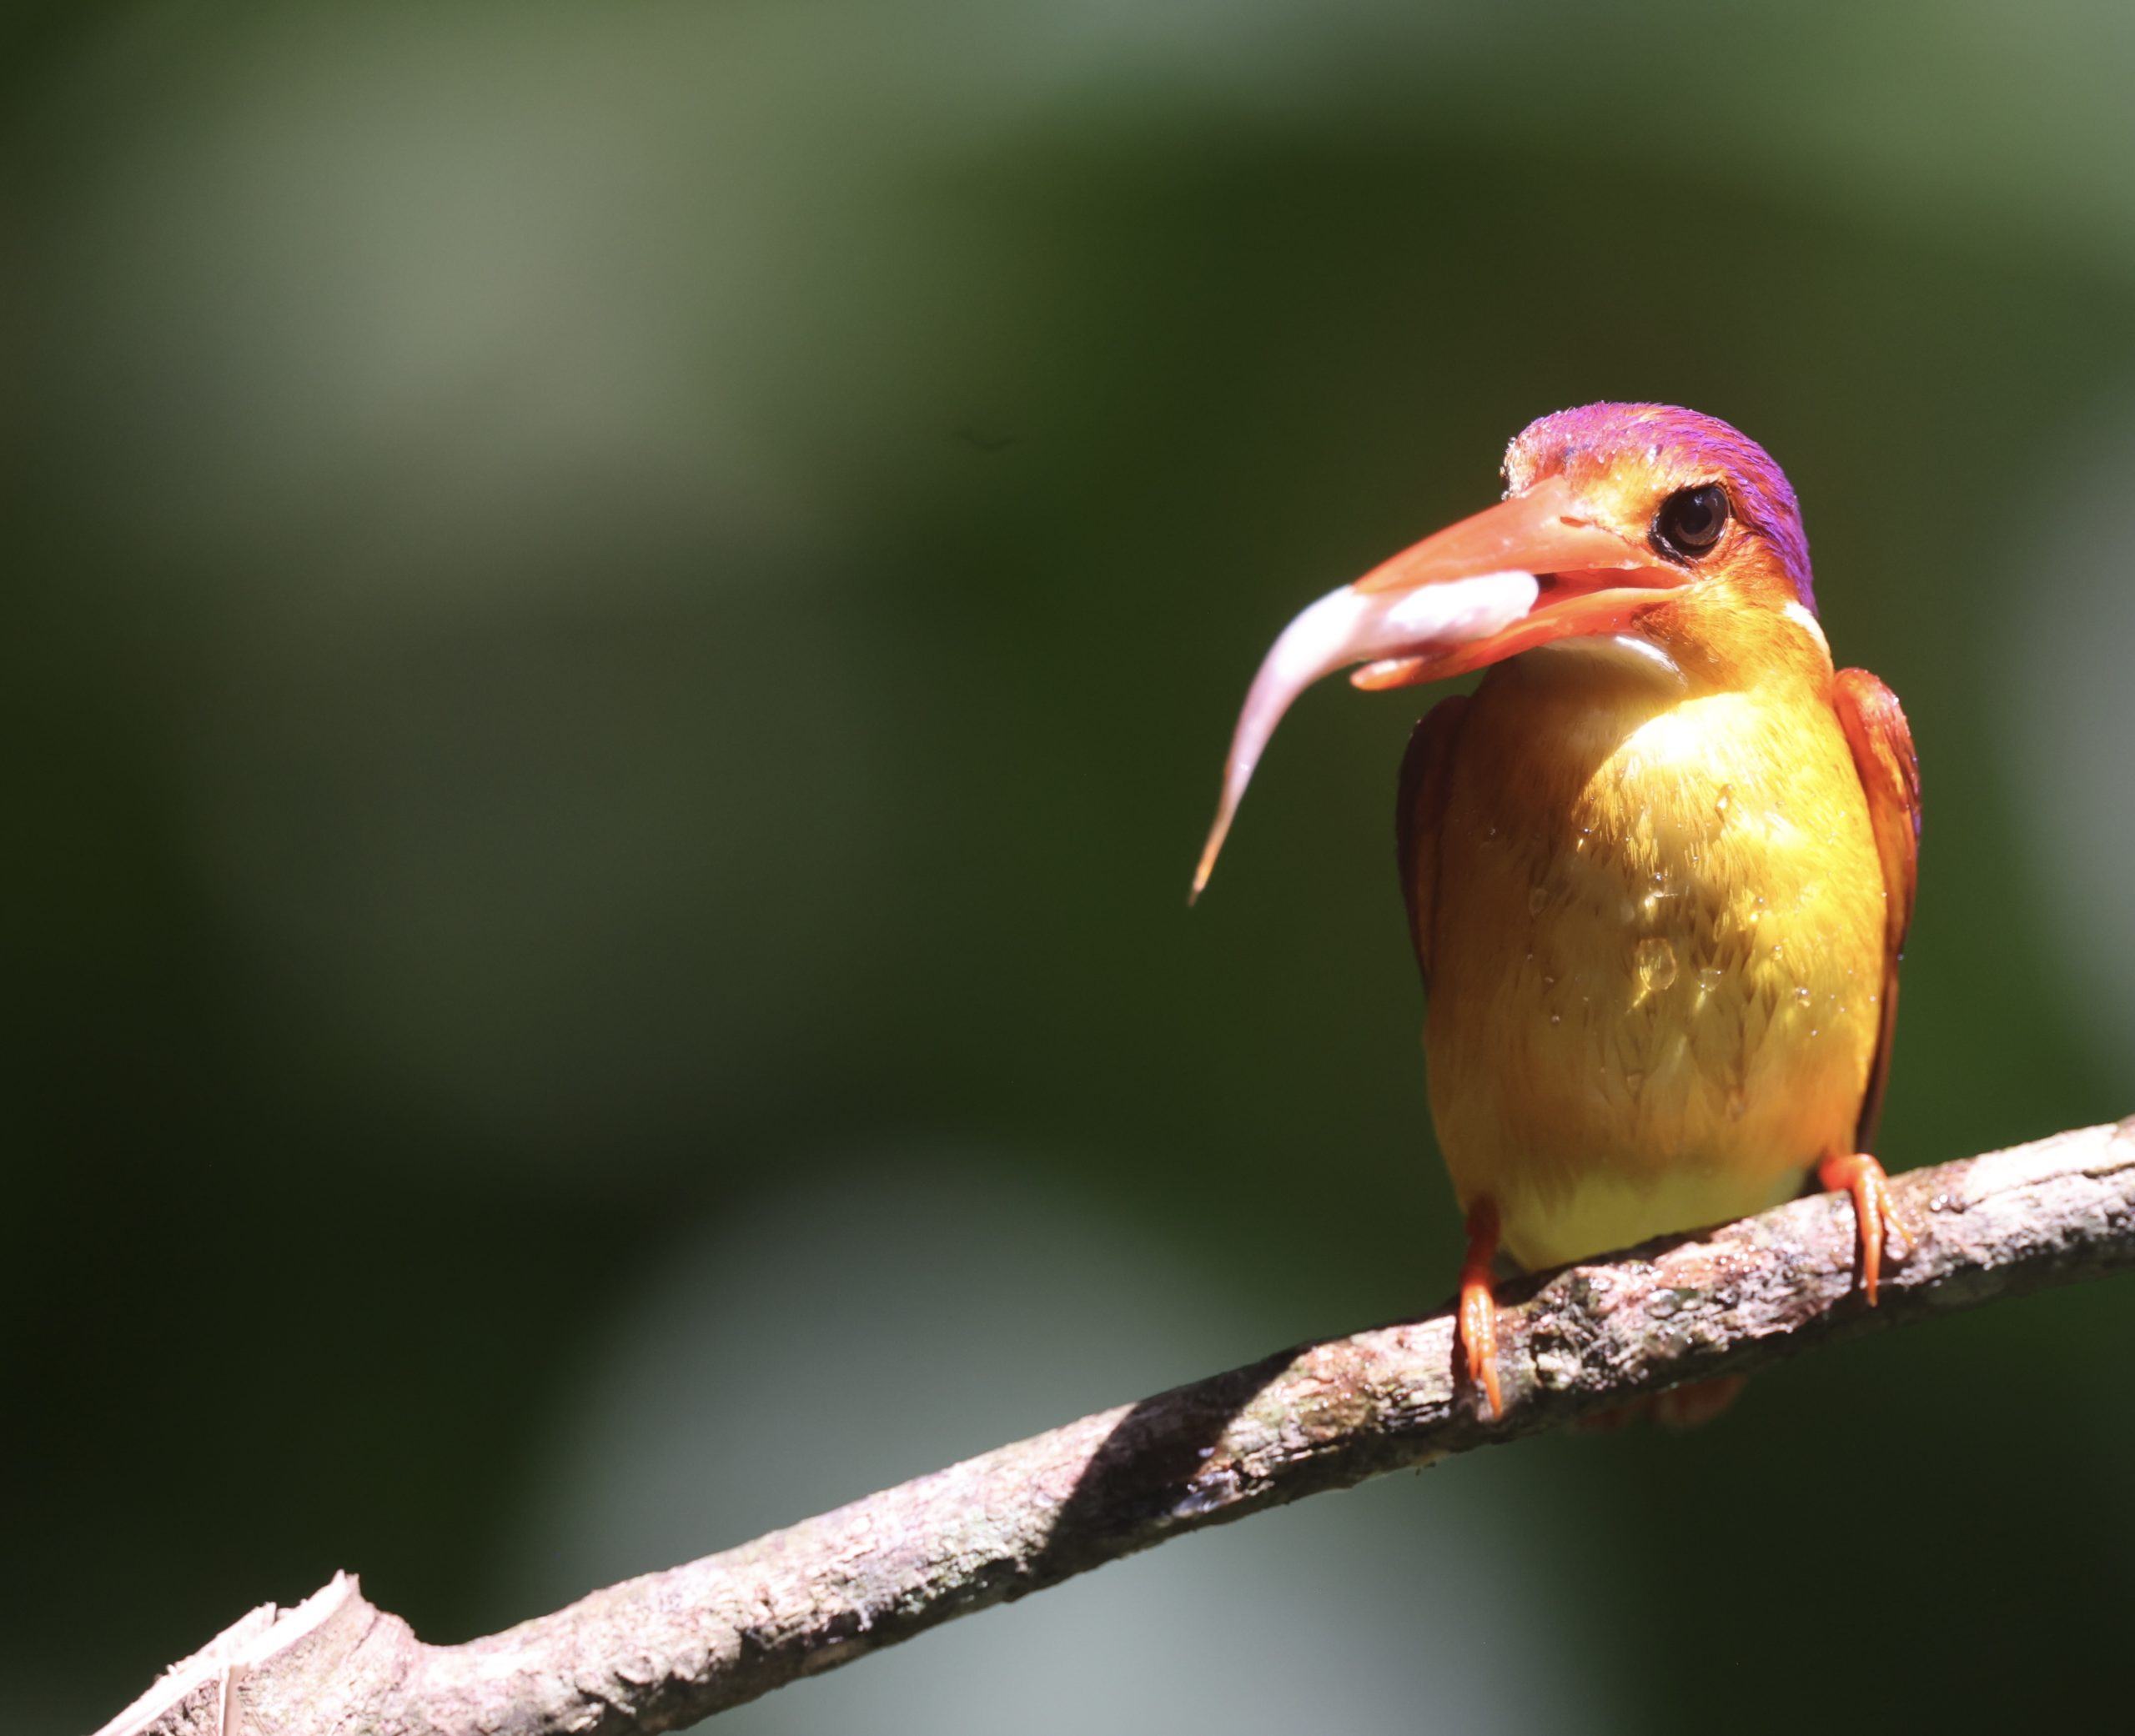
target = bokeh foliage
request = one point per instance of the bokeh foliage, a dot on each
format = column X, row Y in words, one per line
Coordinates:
column 624, row 620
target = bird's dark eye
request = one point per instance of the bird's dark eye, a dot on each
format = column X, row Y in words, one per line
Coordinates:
column 1689, row 521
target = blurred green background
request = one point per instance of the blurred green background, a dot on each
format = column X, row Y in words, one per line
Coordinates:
column 623, row 621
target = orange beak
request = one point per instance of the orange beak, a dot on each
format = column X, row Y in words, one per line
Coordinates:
column 1528, row 570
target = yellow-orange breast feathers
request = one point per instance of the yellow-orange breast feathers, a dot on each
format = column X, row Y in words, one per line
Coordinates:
column 1653, row 922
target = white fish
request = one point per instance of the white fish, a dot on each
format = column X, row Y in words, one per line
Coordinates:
column 1350, row 626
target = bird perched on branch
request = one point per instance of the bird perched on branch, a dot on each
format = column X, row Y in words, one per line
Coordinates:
column 1658, row 866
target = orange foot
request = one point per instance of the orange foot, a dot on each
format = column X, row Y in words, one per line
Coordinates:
column 1857, row 1173
column 1697, row 1403
column 1479, row 1307
column 1690, row 1406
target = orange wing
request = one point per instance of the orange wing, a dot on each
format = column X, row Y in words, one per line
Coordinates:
column 1426, row 776
column 1890, row 772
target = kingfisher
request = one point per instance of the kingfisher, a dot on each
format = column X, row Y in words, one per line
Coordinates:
column 1658, row 864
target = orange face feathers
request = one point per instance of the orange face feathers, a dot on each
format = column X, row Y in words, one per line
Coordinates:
column 1626, row 463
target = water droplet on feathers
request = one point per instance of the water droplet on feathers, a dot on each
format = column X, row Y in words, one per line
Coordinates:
column 1656, row 965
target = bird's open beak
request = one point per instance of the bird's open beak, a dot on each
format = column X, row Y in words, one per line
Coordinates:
column 1526, row 571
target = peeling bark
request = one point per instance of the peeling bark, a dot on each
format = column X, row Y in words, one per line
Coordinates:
column 670, row 1648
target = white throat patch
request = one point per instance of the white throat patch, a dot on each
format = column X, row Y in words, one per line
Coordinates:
column 1800, row 614
column 1628, row 650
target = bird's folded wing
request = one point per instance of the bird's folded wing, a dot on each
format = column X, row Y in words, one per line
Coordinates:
column 1876, row 730
column 1426, row 776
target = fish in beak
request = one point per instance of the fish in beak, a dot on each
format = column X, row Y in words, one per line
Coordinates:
column 1535, row 568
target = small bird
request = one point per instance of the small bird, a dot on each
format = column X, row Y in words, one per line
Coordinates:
column 1658, row 866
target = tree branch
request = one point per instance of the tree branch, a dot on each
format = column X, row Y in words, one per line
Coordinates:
column 670, row 1648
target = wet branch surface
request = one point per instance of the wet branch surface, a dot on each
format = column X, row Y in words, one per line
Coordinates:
column 665, row 1650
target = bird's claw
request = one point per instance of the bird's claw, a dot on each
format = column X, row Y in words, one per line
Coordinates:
column 1857, row 1173
column 1479, row 1342
column 1477, row 1323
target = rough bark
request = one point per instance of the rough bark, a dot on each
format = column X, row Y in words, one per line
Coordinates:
column 670, row 1648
